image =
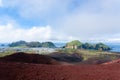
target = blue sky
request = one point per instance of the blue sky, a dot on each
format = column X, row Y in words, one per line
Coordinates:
column 60, row 20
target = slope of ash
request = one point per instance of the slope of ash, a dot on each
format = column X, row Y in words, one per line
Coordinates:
column 28, row 58
column 25, row 71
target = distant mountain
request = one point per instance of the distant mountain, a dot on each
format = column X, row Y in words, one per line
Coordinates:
column 32, row 44
column 76, row 44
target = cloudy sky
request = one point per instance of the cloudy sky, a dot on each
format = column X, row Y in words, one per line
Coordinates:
column 60, row 20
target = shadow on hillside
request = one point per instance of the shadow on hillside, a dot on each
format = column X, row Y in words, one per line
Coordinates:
column 55, row 58
column 70, row 58
column 29, row 58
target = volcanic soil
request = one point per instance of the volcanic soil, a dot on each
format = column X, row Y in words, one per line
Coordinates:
column 21, row 66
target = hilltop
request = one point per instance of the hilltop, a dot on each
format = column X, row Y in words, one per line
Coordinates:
column 32, row 44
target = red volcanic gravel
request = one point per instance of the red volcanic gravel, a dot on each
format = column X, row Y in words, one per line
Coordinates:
column 113, row 62
column 25, row 69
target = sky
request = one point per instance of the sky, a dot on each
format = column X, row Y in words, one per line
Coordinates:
column 60, row 20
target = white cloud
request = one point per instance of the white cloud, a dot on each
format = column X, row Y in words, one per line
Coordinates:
column 95, row 20
column 10, row 33
column 91, row 20
column 38, row 8
column 90, row 24
column 4, row 19
column 1, row 4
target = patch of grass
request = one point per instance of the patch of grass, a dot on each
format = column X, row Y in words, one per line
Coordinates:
column 5, row 54
column 87, row 54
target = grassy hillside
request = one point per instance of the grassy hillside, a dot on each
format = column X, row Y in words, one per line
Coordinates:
column 92, row 54
column 88, row 56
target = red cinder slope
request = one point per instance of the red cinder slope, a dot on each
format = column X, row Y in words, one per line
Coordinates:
column 26, row 71
column 30, row 67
